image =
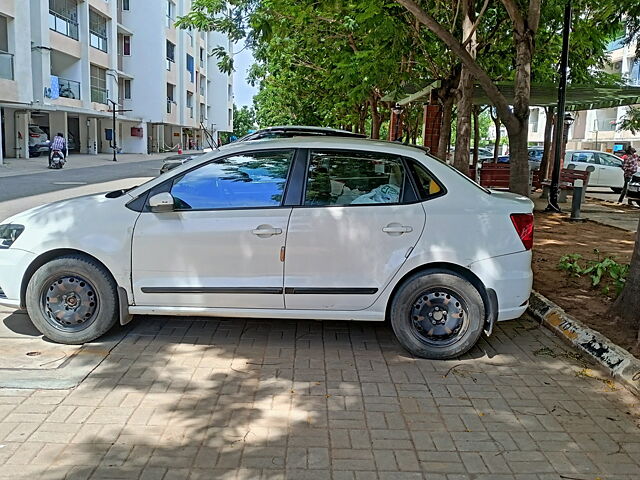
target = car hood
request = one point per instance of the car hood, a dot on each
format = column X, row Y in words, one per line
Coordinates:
column 77, row 206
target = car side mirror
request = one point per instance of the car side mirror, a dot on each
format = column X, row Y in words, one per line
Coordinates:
column 161, row 202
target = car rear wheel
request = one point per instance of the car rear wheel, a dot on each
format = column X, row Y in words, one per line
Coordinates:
column 72, row 299
column 437, row 315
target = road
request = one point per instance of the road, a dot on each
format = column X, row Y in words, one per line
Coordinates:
column 20, row 192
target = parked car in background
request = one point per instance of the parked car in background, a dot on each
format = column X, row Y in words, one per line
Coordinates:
column 285, row 131
column 535, row 157
column 322, row 228
column 633, row 189
column 174, row 161
column 606, row 169
column 38, row 141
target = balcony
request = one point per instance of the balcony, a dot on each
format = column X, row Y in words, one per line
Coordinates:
column 69, row 88
column 99, row 95
column 98, row 40
column 63, row 25
column 6, row 65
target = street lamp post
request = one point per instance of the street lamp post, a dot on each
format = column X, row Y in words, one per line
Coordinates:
column 562, row 95
column 114, row 110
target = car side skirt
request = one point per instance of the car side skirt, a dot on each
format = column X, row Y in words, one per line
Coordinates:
column 362, row 315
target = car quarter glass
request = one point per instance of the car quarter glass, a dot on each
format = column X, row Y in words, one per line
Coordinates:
column 240, row 181
column 353, row 178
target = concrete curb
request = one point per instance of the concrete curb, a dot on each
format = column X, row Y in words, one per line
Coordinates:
column 612, row 202
column 619, row 363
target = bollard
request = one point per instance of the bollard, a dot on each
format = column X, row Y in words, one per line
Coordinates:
column 576, row 201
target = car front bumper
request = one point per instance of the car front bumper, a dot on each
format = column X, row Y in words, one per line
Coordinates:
column 13, row 265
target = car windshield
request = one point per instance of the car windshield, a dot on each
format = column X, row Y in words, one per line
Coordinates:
column 535, row 154
column 35, row 129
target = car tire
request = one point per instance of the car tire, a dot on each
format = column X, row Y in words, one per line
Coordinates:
column 72, row 299
column 616, row 189
column 422, row 300
column 34, row 154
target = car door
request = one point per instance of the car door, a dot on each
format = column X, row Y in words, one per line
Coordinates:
column 582, row 160
column 355, row 228
column 220, row 246
column 610, row 171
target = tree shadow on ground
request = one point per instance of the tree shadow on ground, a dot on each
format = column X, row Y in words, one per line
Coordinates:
column 272, row 399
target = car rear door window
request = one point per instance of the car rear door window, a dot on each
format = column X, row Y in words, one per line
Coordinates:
column 249, row 180
column 353, row 178
column 584, row 157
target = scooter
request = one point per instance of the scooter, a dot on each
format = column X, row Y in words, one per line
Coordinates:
column 56, row 160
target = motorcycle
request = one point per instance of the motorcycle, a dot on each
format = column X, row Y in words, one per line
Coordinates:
column 56, row 160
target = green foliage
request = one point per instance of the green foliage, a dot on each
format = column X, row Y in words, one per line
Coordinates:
column 243, row 120
column 606, row 272
column 631, row 120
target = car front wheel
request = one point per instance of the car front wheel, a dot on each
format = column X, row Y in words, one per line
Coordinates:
column 437, row 314
column 72, row 299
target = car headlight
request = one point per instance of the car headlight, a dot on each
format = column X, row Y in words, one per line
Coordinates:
column 9, row 233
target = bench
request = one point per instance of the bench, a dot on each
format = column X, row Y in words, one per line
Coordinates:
column 495, row 175
column 567, row 178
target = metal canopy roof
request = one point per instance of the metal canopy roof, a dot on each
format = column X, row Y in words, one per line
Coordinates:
column 578, row 97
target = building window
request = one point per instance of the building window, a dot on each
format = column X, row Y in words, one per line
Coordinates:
column 203, row 84
column 6, row 58
column 202, row 113
column 190, row 35
column 534, row 117
column 201, row 57
column 97, row 31
column 63, row 17
column 127, row 89
column 126, row 45
column 171, row 54
column 170, row 96
column 229, row 92
column 190, row 104
column 171, row 13
column 125, row 4
column 230, row 117
column 99, row 93
column 191, row 67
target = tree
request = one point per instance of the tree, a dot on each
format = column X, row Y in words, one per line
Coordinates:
column 631, row 120
column 243, row 120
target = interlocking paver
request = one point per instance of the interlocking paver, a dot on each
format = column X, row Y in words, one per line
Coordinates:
column 245, row 399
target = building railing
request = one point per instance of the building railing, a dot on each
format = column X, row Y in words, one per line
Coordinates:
column 169, row 105
column 63, row 25
column 98, row 40
column 69, row 88
column 190, row 112
column 169, row 62
column 6, row 65
column 170, row 21
column 99, row 95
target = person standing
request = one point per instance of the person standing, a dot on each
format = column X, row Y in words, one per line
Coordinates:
column 629, row 167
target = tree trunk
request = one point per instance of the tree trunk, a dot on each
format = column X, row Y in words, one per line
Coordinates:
column 465, row 99
column 363, row 111
column 627, row 306
column 375, row 117
column 476, row 134
column 546, row 152
column 496, row 145
column 445, row 131
column 519, row 130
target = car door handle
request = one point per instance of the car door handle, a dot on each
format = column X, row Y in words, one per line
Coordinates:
column 397, row 229
column 264, row 231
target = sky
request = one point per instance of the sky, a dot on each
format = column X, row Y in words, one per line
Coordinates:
column 243, row 92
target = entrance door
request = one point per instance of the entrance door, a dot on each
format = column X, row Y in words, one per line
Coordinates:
column 221, row 245
column 353, row 233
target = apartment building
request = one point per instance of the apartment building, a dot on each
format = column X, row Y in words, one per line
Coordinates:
column 598, row 129
column 65, row 63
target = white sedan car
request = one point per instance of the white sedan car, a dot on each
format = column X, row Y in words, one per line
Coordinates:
column 606, row 169
column 313, row 228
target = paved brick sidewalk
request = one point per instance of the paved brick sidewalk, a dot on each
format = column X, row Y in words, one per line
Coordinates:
column 260, row 399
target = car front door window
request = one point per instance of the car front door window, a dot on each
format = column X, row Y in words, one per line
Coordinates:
column 255, row 180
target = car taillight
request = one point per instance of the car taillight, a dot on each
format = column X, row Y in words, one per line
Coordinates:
column 523, row 223
column 34, row 135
